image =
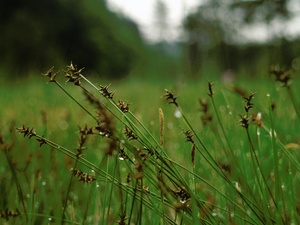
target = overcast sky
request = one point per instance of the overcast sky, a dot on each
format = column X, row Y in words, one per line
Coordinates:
column 143, row 13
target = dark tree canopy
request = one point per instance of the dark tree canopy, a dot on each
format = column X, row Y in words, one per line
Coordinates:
column 38, row 34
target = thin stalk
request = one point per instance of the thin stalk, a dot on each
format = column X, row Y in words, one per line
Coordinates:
column 216, row 167
column 292, row 195
column 67, row 194
column 275, row 161
column 88, row 202
column 112, row 185
column 90, row 195
column 236, row 163
column 222, row 128
column 31, row 206
column 209, row 158
column 289, row 90
column 105, row 195
column 149, row 204
column 290, row 157
column 78, row 103
column 141, row 204
column 249, row 203
column 256, row 161
column 15, row 178
column 133, row 202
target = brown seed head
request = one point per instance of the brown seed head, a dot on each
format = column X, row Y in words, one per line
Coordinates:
column 170, row 98
column 123, row 106
column 210, row 89
column 244, row 121
column 26, row 131
column 207, row 117
column 73, row 74
column 189, row 136
column 51, row 74
column 129, row 134
column 248, row 99
column 182, row 194
column 105, row 92
column 283, row 76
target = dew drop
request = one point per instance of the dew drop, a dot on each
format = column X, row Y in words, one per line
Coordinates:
column 170, row 125
column 182, row 201
column 177, row 114
column 63, row 125
column 258, row 132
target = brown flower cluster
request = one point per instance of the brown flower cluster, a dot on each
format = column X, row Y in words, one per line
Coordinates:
column 283, row 76
column 73, row 74
column 190, row 138
column 51, row 74
column 84, row 177
column 249, row 105
column 206, row 117
column 123, row 106
column 170, row 97
column 105, row 92
column 83, row 135
column 6, row 214
column 210, row 89
column 129, row 134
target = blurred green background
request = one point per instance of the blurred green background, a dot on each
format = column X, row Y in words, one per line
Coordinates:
column 36, row 35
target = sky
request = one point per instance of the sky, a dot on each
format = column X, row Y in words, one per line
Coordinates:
column 143, row 13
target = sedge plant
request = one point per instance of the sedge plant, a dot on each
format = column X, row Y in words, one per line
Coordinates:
column 138, row 180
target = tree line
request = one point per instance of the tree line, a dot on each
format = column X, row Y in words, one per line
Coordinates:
column 39, row 34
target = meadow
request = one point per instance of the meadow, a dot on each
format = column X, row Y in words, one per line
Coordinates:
column 88, row 151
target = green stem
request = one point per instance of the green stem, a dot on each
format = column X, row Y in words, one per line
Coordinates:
column 275, row 162
column 67, row 195
column 289, row 90
column 15, row 178
column 78, row 103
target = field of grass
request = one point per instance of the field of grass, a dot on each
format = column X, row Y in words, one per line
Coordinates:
column 156, row 152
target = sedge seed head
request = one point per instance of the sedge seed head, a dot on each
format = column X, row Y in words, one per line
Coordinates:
column 170, row 97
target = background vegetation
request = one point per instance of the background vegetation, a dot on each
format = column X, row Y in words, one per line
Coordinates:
column 214, row 39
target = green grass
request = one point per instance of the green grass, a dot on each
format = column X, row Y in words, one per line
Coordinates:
column 218, row 173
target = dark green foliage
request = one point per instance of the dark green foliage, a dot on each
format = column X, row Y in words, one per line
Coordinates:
column 36, row 34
